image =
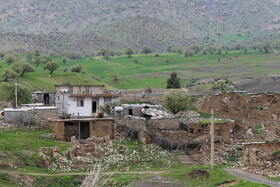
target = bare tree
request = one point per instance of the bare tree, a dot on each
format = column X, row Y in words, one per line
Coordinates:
column 93, row 177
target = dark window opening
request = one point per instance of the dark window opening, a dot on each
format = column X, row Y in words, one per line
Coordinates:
column 130, row 111
column 191, row 130
column 94, row 107
column 46, row 99
column 198, row 130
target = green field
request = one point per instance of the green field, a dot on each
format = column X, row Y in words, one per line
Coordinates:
column 151, row 71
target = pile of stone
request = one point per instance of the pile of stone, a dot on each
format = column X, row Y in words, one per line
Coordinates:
column 48, row 136
column 189, row 114
column 4, row 126
column 156, row 113
column 87, row 153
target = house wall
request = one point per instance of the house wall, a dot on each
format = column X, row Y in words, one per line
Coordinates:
column 65, row 129
column 61, row 102
column 164, row 123
column 102, row 128
column 81, row 89
column 58, row 127
column 85, row 110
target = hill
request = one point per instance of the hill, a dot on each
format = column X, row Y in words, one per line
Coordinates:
column 201, row 21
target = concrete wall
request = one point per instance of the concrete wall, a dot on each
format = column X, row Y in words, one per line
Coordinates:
column 81, row 89
column 19, row 116
column 37, row 115
column 61, row 102
column 85, row 110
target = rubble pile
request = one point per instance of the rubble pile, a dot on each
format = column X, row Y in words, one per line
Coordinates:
column 87, row 153
column 261, row 158
column 156, row 113
column 4, row 126
column 223, row 153
column 48, row 136
column 189, row 114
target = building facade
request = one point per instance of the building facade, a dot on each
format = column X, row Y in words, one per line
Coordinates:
column 83, row 100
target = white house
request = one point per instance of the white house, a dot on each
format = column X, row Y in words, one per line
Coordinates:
column 83, row 100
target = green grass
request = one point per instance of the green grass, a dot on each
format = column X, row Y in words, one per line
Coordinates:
column 151, row 71
column 22, row 146
column 258, row 129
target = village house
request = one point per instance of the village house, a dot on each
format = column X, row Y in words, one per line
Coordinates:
column 83, row 100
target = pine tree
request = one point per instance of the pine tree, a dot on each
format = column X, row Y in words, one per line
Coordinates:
column 173, row 81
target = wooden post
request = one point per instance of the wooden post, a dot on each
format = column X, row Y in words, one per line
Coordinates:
column 212, row 138
column 16, row 93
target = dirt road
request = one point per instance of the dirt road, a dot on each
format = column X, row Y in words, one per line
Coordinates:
column 63, row 174
column 252, row 177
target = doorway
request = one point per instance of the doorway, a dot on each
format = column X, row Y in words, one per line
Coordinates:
column 46, row 99
column 84, row 130
column 94, row 107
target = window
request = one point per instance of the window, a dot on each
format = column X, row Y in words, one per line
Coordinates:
column 80, row 102
column 107, row 100
column 58, row 97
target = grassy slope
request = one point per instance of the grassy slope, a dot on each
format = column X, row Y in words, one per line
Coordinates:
column 153, row 71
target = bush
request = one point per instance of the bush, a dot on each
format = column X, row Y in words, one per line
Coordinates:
column 176, row 100
column 76, row 68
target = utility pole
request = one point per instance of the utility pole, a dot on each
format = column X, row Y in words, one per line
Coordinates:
column 16, row 93
column 212, row 137
column 212, row 131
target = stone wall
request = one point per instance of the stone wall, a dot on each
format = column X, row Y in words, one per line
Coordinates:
column 164, row 123
column 179, row 135
column 139, row 95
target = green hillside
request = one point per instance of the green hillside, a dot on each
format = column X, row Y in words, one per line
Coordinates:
column 152, row 71
column 80, row 25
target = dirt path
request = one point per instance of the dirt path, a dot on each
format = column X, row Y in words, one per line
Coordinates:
column 109, row 62
column 66, row 174
column 252, row 177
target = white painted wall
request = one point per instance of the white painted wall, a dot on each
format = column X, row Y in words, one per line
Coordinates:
column 101, row 101
column 84, row 110
column 61, row 102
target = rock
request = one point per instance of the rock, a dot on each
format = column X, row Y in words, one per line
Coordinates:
column 48, row 136
column 144, row 138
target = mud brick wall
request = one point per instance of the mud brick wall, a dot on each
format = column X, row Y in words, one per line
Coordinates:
column 174, row 134
column 136, row 121
column 58, row 128
column 256, row 107
column 138, row 95
column 101, row 128
column 47, row 113
column 254, row 153
column 132, row 95
column 164, row 123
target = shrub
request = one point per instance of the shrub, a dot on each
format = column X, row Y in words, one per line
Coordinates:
column 76, row 68
column 176, row 100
